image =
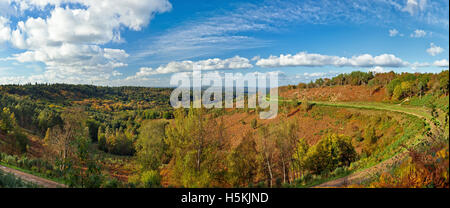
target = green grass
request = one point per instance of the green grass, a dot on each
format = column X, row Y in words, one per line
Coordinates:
column 429, row 101
column 412, row 110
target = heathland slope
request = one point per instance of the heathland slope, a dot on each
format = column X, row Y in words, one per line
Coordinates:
column 344, row 127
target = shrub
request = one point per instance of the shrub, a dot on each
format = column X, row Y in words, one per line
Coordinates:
column 370, row 135
column 167, row 115
column 340, row 171
column 306, row 106
column 151, row 179
column 254, row 123
column 331, row 152
column 110, row 183
column 21, row 142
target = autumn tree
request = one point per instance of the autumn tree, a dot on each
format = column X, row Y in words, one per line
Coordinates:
column 242, row 162
column 61, row 140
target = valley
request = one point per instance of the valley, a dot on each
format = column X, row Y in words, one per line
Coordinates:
column 372, row 132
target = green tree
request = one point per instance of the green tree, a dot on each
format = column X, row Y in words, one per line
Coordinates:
column 102, row 138
column 196, row 146
column 48, row 119
column 93, row 126
column 299, row 157
column 151, row 149
column 7, row 120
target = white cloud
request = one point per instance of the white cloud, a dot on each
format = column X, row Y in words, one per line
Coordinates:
column 5, row 31
column 434, row 50
column 189, row 66
column 441, row 63
column 418, row 34
column 415, row 6
column 224, row 31
column 377, row 69
column 393, row 32
column 256, row 58
column 416, row 65
column 69, row 39
column 315, row 74
column 311, row 60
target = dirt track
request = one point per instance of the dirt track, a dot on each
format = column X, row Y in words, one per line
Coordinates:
column 361, row 176
column 33, row 179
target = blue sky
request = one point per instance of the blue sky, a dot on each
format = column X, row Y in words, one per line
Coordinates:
column 143, row 42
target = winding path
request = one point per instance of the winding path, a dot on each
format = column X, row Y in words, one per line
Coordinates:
column 361, row 176
column 32, row 178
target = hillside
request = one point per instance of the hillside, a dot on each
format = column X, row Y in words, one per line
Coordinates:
column 325, row 130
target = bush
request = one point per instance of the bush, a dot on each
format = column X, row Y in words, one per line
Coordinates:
column 167, row 115
column 254, row 123
column 370, row 136
column 21, row 142
column 151, row 179
column 331, row 152
column 110, row 183
column 10, row 159
column 306, row 106
column 340, row 171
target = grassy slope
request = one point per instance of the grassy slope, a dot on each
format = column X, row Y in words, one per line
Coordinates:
column 420, row 112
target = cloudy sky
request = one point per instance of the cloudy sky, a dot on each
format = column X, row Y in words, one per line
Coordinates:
column 144, row 42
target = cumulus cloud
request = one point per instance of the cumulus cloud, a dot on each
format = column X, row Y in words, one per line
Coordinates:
column 418, row 34
column 311, row 60
column 189, row 66
column 434, row 50
column 393, row 32
column 69, row 39
column 441, row 63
